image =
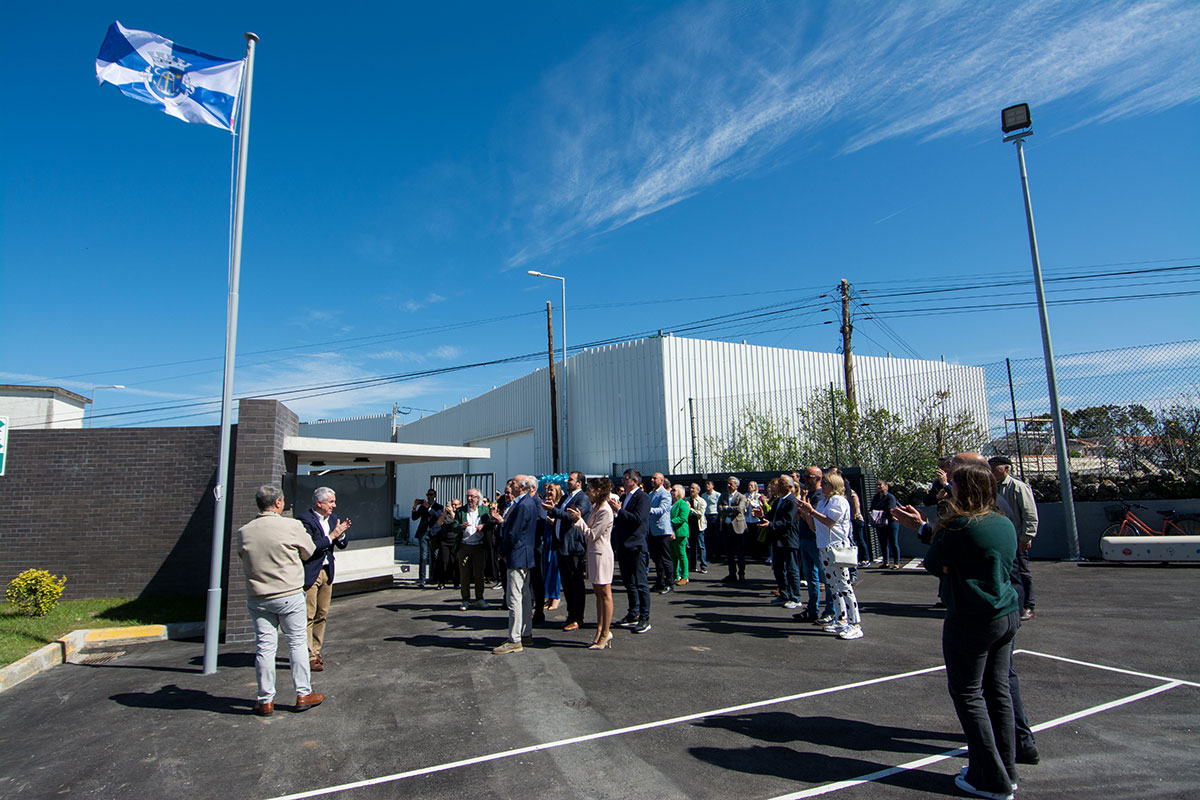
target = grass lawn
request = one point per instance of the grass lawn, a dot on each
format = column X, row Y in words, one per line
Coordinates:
column 21, row 635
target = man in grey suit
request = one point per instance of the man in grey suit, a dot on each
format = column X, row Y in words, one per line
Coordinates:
column 731, row 509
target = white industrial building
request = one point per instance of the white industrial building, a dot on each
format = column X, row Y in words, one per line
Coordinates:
column 649, row 404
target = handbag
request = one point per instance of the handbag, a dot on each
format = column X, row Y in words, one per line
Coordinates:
column 878, row 519
column 843, row 556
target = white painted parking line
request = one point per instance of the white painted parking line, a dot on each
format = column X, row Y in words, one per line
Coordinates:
column 602, row 735
column 1169, row 683
column 961, row 751
column 1109, row 669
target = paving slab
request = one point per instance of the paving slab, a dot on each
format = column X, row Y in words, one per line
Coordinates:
column 727, row 697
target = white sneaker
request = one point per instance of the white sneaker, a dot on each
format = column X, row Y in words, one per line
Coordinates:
column 834, row 627
column 851, row 632
column 791, row 604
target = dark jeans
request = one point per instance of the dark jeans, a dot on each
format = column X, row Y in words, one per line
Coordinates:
column 786, row 563
column 889, row 540
column 810, row 571
column 720, row 534
column 978, row 655
column 664, row 565
column 697, row 551
column 573, row 570
column 635, row 566
column 422, row 558
column 735, row 554
column 861, row 540
column 1026, row 577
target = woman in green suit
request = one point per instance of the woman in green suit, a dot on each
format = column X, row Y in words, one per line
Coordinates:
column 680, row 512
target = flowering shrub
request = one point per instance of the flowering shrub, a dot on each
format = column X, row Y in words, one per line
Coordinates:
column 35, row 592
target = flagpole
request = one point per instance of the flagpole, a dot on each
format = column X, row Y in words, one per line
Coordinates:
column 212, row 617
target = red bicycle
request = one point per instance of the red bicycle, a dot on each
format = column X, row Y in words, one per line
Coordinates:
column 1126, row 523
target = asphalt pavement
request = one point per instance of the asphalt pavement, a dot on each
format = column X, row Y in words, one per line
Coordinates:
column 726, row 697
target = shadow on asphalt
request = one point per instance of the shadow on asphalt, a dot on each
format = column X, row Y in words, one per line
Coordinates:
column 844, row 734
column 901, row 610
column 759, row 627
column 172, row 698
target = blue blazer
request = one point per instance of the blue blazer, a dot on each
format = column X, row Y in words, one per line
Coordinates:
column 324, row 545
column 522, row 527
column 568, row 540
column 631, row 524
column 785, row 522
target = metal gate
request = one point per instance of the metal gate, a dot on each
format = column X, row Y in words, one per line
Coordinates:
column 451, row 486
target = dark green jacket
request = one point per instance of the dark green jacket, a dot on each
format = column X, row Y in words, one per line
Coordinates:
column 973, row 557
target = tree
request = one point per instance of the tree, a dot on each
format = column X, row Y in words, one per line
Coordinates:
column 826, row 430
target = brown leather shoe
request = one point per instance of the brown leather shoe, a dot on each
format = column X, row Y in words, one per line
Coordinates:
column 315, row 664
column 571, row 626
column 307, row 701
column 262, row 709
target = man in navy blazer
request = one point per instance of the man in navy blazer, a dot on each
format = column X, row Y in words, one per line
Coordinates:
column 328, row 531
column 571, row 548
column 524, row 523
column 784, row 532
column 631, row 527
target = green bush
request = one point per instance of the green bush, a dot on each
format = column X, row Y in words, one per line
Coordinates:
column 35, row 592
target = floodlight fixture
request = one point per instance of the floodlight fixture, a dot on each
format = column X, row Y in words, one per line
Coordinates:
column 1014, row 118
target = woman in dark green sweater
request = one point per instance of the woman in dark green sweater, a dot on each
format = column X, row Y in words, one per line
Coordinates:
column 972, row 552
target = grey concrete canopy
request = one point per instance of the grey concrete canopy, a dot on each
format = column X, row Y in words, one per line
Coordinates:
column 355, row 451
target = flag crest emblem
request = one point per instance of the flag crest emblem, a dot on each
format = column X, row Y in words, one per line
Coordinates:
column 185, row 83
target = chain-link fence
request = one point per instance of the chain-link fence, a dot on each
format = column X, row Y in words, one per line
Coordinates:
column 1136, row 409
column 896, row 425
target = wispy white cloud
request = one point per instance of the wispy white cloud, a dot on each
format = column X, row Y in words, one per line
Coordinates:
column 430, row 299
column 708, row 92
column 323, row 370
column 416, row 357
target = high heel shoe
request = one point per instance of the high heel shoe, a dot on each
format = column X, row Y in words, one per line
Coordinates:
column 604, row 645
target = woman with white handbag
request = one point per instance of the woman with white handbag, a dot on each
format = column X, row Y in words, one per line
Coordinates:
column 838, row 554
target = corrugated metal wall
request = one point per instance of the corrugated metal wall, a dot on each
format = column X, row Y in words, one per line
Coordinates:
column 629, row 402
column 724, row 379
column 374, row 428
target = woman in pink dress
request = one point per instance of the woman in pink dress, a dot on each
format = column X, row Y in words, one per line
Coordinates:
column 596, row 531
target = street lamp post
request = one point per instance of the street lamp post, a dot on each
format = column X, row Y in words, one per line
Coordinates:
column 92, row 413
column 1015, row 122
column 563, row 314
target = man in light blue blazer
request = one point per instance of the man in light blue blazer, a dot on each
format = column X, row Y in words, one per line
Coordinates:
column 661, row 534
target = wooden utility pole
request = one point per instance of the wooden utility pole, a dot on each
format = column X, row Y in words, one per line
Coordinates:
column 553, row 390
column 847, row 352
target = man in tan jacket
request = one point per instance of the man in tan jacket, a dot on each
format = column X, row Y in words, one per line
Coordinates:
column 272, row 549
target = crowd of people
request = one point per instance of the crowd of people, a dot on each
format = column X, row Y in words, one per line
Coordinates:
column 545, row 543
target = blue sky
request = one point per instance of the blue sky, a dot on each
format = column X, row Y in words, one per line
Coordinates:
column 674, row 161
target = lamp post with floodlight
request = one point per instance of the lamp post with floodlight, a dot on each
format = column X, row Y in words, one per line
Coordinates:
column 563, row 315
column 1015, row 122
column 92, row 402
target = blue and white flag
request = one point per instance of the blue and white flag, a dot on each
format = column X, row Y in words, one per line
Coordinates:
column 184, row 83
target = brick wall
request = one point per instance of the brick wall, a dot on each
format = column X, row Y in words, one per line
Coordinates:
column 120, row 512
column 259, row 459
